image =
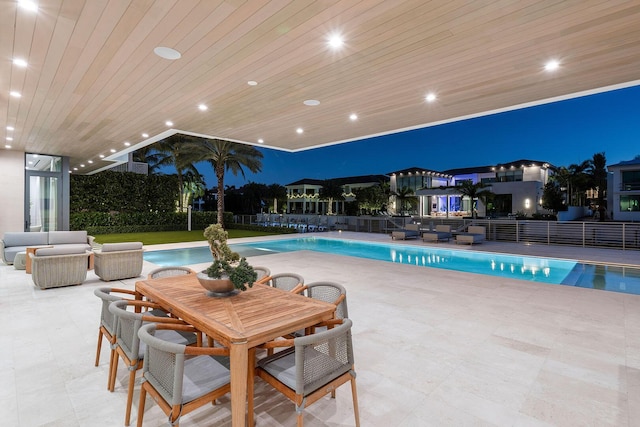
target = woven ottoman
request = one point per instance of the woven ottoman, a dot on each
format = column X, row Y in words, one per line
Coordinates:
column 20, row 261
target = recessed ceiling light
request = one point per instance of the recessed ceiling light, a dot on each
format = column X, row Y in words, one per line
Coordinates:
column 101, row 156
column 19, row 62
column 335, row 41
column 82, row 165
column 75, row 169
column 552, row 65
column 89, row 161
column 15, row 94
column 353, row 117
column 10, row 128
column 167, row 53
column 9, row 138
column 202, row 107
column 127, row 143
column 28, row 5
column 430, row 97
column 168, row 123
column 311, row 102
column 145, row 135
column 7, row 146
column 300, row 130
column 252, row 83
column 113, row 150
column 260, row 141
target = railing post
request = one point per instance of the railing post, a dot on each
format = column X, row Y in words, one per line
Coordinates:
column 548, row 233
column 623, row 236
column 517, row 231
column 584, row 234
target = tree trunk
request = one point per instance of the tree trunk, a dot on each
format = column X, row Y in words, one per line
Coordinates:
column 220, row 177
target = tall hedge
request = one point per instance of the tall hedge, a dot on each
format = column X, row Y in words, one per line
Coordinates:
column 123, row 192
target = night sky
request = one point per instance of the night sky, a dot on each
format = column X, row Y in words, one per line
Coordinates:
column 560, row 133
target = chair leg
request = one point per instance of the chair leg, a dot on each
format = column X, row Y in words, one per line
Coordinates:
column 99, row 346
column 300, row 420
column 250, row 387
column 354, row 393
column 143, row 398
column 113, row 372
column 132, row 380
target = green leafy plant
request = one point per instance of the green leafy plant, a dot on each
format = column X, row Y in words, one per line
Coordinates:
column 226, row 262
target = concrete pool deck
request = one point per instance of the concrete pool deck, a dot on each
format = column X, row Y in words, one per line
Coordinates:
column 433, row 347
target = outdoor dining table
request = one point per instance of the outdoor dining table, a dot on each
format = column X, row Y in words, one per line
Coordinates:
column 240, row 322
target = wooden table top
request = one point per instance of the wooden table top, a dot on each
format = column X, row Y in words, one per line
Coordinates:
column 255, row 316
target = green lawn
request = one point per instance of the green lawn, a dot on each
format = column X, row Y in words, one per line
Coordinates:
column 154, row 238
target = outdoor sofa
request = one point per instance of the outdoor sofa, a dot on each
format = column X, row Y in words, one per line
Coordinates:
column 14, row 242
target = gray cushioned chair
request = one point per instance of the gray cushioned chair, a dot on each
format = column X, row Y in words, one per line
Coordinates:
column 128, row 346
column 107, row 327
column 180, row 378
column 263, row 274
column 115, row 261
column 286, row 281
column 312, row 368
column 55, row 267
column 169, row 271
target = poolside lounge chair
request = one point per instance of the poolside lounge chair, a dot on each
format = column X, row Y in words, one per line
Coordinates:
column 474, row 234
column 442, row 233
column 410, row 231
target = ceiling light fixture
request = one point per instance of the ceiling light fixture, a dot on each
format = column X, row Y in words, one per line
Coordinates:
column 127, row 143
column 552, row 65
column 101, row 156
column 353, row 117
column 311, row 102
column 10, row 128
column 7, row 146
column 430, row 97
column 9, row 138
column 335, row 41
column 252, row 83
column 75, row 169
column 15, row 94
column 168, row 123
column 202, row 107
column 89, row 161
column 167, row 53
column 82, row 165
column 260, row 141
column 113, row 150
column 28, row 5
column 145, row 135
column 19, row 62
column 300, row 130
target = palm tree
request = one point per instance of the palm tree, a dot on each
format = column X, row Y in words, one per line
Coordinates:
column 474, row 192
column 148, row 155
column 598, row 173
column 277, row 192
column 405, row 197
column 331, row 190
column 173, row 151
column 225, row 156
column 579, row 182
column 194, row 186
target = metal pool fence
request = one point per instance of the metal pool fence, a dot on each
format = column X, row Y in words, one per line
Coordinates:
column 618, row 235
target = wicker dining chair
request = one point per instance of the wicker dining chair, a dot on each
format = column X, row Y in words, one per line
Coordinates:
column 180, row 378
column 263, row 274
column 128, row 347
column 169, row 271
column 314, row 367
column 286, row 281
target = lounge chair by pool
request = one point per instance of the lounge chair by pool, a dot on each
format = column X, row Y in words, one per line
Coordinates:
column 410, row 231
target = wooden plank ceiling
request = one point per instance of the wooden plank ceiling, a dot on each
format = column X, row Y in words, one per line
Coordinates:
column 93, row 81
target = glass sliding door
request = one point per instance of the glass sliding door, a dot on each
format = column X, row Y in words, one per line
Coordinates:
column 44, row 193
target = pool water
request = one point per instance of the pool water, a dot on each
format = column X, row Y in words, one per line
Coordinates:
column 537, row 269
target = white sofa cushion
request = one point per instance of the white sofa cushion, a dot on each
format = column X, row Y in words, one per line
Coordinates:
column 67, row 237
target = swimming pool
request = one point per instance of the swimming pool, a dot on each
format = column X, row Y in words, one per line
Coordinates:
column 537, row 269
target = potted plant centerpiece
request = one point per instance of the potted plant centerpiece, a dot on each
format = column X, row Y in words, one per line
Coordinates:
column 229, row 272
